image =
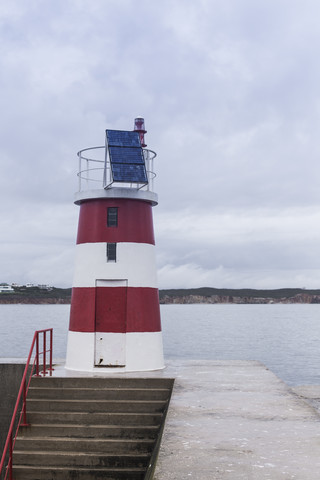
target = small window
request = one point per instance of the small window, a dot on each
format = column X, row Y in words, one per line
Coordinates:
column 112, row 217
column 111, row 252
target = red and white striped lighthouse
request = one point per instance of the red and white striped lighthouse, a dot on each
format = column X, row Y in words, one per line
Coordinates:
column 115, row 315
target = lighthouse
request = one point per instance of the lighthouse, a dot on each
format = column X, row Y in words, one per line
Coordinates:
column 115, row 315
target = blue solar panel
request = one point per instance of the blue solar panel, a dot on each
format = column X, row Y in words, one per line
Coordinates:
column 126, row 157
column 121, row 138
column 122, row 172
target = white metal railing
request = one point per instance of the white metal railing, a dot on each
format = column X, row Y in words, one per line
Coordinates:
column 95, row 171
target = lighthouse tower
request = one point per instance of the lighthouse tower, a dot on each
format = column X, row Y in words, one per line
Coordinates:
column 115, row 317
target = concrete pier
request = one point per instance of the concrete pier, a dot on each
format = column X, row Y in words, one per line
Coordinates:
column 231, row 420
column 237, row 420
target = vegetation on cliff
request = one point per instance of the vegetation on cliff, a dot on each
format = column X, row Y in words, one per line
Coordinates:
column 245, row 295
column 53, row 295
column 36, row 295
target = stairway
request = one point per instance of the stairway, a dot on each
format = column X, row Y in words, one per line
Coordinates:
column 90, row 428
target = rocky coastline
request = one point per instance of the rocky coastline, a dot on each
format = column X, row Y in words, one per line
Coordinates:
column 36, row 296
column 238, row 296
column 16, row 300
column 204, row 295
column 215, row 299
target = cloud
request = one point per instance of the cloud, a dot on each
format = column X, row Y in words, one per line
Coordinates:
column 230, row 94
column 261, row 246
column 194, row 277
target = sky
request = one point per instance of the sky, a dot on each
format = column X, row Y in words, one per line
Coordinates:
column 230, row 93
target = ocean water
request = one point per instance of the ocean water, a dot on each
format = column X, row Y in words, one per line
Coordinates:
column 286, row 338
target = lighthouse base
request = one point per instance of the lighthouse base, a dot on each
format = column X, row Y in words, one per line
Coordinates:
column 114, row 352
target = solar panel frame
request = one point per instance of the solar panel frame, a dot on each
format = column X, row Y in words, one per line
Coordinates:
column 123, row 138
column 126, row 157
column 126, row 173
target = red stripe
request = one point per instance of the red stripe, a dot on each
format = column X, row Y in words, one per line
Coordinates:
column 135, row 222
column 115, row 309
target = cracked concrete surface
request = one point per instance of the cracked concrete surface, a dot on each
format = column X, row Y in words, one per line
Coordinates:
column 237, row 420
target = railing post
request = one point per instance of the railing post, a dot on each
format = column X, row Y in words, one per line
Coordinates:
column 44, row 353
column 51, row 348
column 79, row 174
column 37, row 354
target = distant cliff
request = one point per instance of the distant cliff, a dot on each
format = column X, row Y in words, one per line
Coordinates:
column 241, row 296
column 4, row 299
column 38, row 296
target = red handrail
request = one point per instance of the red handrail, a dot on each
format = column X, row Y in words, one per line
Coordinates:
column 24, row 387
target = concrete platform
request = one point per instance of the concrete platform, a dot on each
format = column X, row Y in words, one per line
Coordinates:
column 237, row 420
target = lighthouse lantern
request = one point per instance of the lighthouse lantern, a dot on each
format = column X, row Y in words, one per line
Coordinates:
column 140, row 128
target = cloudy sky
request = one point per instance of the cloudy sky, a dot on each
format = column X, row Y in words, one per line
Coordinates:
column 230, row 92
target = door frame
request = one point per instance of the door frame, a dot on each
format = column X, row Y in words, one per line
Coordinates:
column 117, row 341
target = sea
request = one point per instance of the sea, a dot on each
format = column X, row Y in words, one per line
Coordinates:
column 284, row 337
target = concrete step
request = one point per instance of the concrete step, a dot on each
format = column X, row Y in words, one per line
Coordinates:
column 85, row 445
column 24, row 472
column 93, row 406
column 103, row 382
column 100, row 418
column 89, row 431
column 79, row 459
column 75, row 393
column 90, row 428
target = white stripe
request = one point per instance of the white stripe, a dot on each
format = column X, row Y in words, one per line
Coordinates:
column 135, row 263
column 80, row 350
column 143, row 352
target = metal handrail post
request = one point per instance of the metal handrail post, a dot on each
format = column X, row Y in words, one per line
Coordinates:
column 44, row 353
column 51, row 348
column 37, row 354
column 79, row 173
column 105, row 165
column 87, row 164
